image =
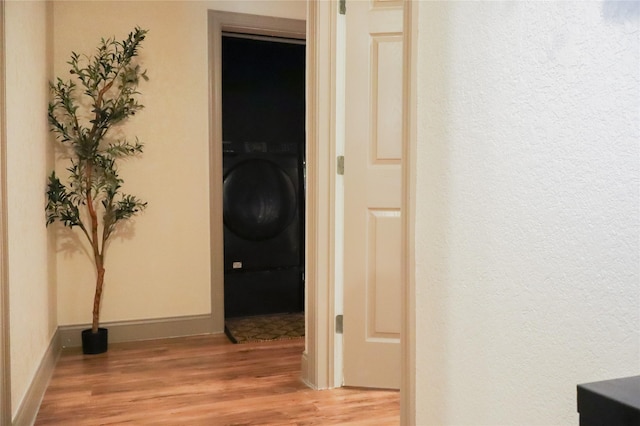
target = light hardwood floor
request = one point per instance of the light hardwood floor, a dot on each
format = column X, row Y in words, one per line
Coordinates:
column 202, row 380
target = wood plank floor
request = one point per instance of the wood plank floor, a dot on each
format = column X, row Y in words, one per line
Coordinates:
column 202, row 380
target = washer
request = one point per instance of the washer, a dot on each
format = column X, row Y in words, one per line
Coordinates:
column 263, row 204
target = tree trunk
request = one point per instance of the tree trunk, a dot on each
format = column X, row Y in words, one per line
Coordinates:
column 98, row 257
column 98, row 296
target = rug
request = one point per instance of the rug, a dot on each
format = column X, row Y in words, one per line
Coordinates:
column 265, row 327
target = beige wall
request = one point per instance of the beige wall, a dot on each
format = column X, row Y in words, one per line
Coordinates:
column 31, row 295
column 160, row 267
column 527, row 223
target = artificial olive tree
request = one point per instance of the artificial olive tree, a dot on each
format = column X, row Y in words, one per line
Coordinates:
column 83, row 121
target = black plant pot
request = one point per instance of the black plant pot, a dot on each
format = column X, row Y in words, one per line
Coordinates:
column 94, row 343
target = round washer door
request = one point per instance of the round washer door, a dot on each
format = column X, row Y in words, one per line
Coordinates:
column 259, row 200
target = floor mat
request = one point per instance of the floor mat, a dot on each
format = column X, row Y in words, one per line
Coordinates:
column 265, row 327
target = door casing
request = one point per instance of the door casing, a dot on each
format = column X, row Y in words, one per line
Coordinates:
column 318, row 359
column 5, row 364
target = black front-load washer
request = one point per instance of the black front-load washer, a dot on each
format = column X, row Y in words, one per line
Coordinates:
column 262, row 212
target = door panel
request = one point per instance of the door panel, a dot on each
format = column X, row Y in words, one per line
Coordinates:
column 383, row 303
column 373, row 194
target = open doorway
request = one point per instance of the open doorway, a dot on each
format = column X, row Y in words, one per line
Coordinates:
column 317, row 361
column 258, row 242
column 263, row 153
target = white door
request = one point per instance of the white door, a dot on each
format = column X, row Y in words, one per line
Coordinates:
column 373, row 193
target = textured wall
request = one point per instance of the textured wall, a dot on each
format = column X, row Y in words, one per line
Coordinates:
column 161, row 268
column 527, row 233
column 31, row 290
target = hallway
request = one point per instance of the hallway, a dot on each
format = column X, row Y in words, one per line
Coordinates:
column 202, row 380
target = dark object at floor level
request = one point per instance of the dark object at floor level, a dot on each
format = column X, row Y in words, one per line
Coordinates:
column 263, row 292
column 95, row 343
column 610, row 402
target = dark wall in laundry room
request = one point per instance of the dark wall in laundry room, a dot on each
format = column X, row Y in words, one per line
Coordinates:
column 263, row 91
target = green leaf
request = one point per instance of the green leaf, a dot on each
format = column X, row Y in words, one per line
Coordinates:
column 83, row 120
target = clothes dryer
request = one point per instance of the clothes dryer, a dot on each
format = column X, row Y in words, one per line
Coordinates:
column 263, row 206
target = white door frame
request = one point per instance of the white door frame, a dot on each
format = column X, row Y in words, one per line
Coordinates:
column 318, row 359
column 5, row 364
column 408, row 330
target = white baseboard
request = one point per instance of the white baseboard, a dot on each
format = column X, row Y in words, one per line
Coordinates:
column 304, row 372
column 28, row 410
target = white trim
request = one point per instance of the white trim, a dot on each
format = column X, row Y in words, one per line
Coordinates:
column 28, row 409
column 408, row 331
column 318, row 359
column 304, row 368
column 5, row 362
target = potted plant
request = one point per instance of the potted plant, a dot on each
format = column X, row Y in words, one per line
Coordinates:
column 91, row 199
